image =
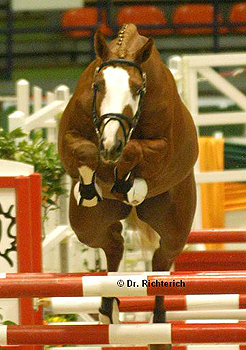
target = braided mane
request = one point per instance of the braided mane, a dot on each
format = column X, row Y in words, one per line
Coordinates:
column 125, row 34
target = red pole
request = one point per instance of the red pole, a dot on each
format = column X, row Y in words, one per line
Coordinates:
column 51, row 275
column 24, row 244
column 209, row 333
column 18, row 288
column 36, row 228
column 54, row 275
column 24, row 241
column 242, row 301
column 23, row 222
column 96, row 334
column 210, row 261
column 36, row 221
column 134, row 304
column 217, row 236
column 146, row 304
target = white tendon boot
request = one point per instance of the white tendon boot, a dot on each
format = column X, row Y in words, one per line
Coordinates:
column 137, row 193
column 87, row 192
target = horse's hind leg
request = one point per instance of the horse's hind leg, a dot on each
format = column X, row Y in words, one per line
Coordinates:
column 170, row 215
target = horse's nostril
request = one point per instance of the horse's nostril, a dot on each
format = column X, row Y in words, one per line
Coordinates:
column 119, row 146
column 111, row 152
column 101, row 146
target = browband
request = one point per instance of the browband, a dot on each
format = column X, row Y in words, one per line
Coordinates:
column 119, row 61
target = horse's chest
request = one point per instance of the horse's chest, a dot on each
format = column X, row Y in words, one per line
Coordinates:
column 105, row 179
column 105, row 173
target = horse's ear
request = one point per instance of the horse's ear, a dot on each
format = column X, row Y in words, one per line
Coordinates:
column 143, row 54
column 101, row 46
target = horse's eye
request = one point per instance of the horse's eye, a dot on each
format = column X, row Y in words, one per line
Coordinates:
column 137, row 90
column 94, row 85
column 98, row 85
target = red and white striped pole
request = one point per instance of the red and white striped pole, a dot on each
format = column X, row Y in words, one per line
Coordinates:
column 177, row 347
column 126, row 285
column 190, row 303
column 179, row 333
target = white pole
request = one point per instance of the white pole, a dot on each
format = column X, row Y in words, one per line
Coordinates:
column 50, row 97
column 23, row 96
column 16, row 120
column 37, row 98
column 62, row 93
column 190, row 93
column 51, row 132
column 175, row 66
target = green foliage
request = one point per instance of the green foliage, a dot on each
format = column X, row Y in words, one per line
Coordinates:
column 61, row 318
column 9, row 323
column 8, row 146
column 42, row 155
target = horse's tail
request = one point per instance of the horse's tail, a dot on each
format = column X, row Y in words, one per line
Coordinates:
column 149, row 239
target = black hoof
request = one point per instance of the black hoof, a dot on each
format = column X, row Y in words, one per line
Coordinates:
column 159, row 316
column 107, row 307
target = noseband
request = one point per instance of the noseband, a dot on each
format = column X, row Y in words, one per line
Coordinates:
column 132, row 122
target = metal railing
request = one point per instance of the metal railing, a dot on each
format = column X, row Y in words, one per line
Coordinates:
column 9, row 31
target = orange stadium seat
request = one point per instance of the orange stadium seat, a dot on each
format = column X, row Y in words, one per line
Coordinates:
column 85, row 16
column 143, row 15
column 195, row 14
column 238, row 14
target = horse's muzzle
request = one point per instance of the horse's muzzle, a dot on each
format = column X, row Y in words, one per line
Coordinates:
column 112, row 154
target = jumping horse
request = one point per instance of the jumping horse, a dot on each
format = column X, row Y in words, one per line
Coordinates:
column 129, row 144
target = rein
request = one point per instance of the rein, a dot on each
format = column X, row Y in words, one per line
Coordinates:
column 132, row 122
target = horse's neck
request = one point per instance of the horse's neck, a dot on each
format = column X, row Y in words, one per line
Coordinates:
column 158, row 105
column 84, row 92
column 155, row 69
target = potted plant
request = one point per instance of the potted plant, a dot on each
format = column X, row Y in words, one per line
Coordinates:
column 42, row 155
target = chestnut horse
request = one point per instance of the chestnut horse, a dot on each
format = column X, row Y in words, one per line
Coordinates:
column 129, row 144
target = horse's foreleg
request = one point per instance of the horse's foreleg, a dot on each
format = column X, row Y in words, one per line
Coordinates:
column 99, row 227
column 129, row 189
column 87, row 192
column 113, row 248
column 126, row 187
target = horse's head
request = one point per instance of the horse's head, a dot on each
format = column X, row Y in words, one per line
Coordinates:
column 119, row 87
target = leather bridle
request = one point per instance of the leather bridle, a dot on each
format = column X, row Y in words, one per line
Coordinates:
column 131, row 121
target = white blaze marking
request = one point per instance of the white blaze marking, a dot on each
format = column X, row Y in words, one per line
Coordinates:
column 118, row 96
